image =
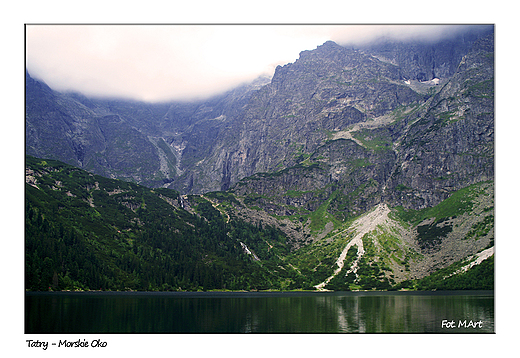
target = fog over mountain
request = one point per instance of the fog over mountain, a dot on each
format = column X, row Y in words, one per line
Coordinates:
column 185, row 62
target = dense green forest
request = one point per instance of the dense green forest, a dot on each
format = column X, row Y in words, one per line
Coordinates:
column 87, row 232
column 113, row 235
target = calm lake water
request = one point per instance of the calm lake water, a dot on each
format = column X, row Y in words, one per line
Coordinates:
column 260, row 312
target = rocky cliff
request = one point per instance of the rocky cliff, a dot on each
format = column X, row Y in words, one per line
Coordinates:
column 151, row 144
column 374, row 141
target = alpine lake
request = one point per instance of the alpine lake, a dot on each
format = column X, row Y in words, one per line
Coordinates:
column 260, row 312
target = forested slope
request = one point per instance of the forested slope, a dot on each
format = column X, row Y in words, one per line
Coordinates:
column 87, row 232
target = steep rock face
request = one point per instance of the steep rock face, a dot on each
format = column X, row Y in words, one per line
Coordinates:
column 324, row 91
column 50, row 130
column 451, row 144
column 426, row 60
column 60, row 126
column 195, row 133
column 151, row 144
column 414, row 156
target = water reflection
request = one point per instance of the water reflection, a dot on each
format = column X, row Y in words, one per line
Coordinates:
column 256, row 312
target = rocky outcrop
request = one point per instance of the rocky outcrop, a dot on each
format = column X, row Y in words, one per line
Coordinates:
column 151, row 144
column 324, row 91
column 451, row 143
column 414, row 156
column 426, row 60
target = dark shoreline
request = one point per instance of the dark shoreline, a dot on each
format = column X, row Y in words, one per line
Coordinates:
column 202, row 294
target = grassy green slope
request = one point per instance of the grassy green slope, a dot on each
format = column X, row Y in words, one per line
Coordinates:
column 402, row 246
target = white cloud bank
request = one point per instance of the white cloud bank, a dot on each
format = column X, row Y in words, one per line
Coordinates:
column 168, row 62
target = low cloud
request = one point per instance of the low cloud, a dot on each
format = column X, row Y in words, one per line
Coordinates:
column 181, row 62
column 360, row 34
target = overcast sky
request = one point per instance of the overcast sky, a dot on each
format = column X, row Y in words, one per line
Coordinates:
column 167, row 62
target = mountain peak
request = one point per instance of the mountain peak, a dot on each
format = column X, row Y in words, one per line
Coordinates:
column 329, row 44
column 325, row 48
